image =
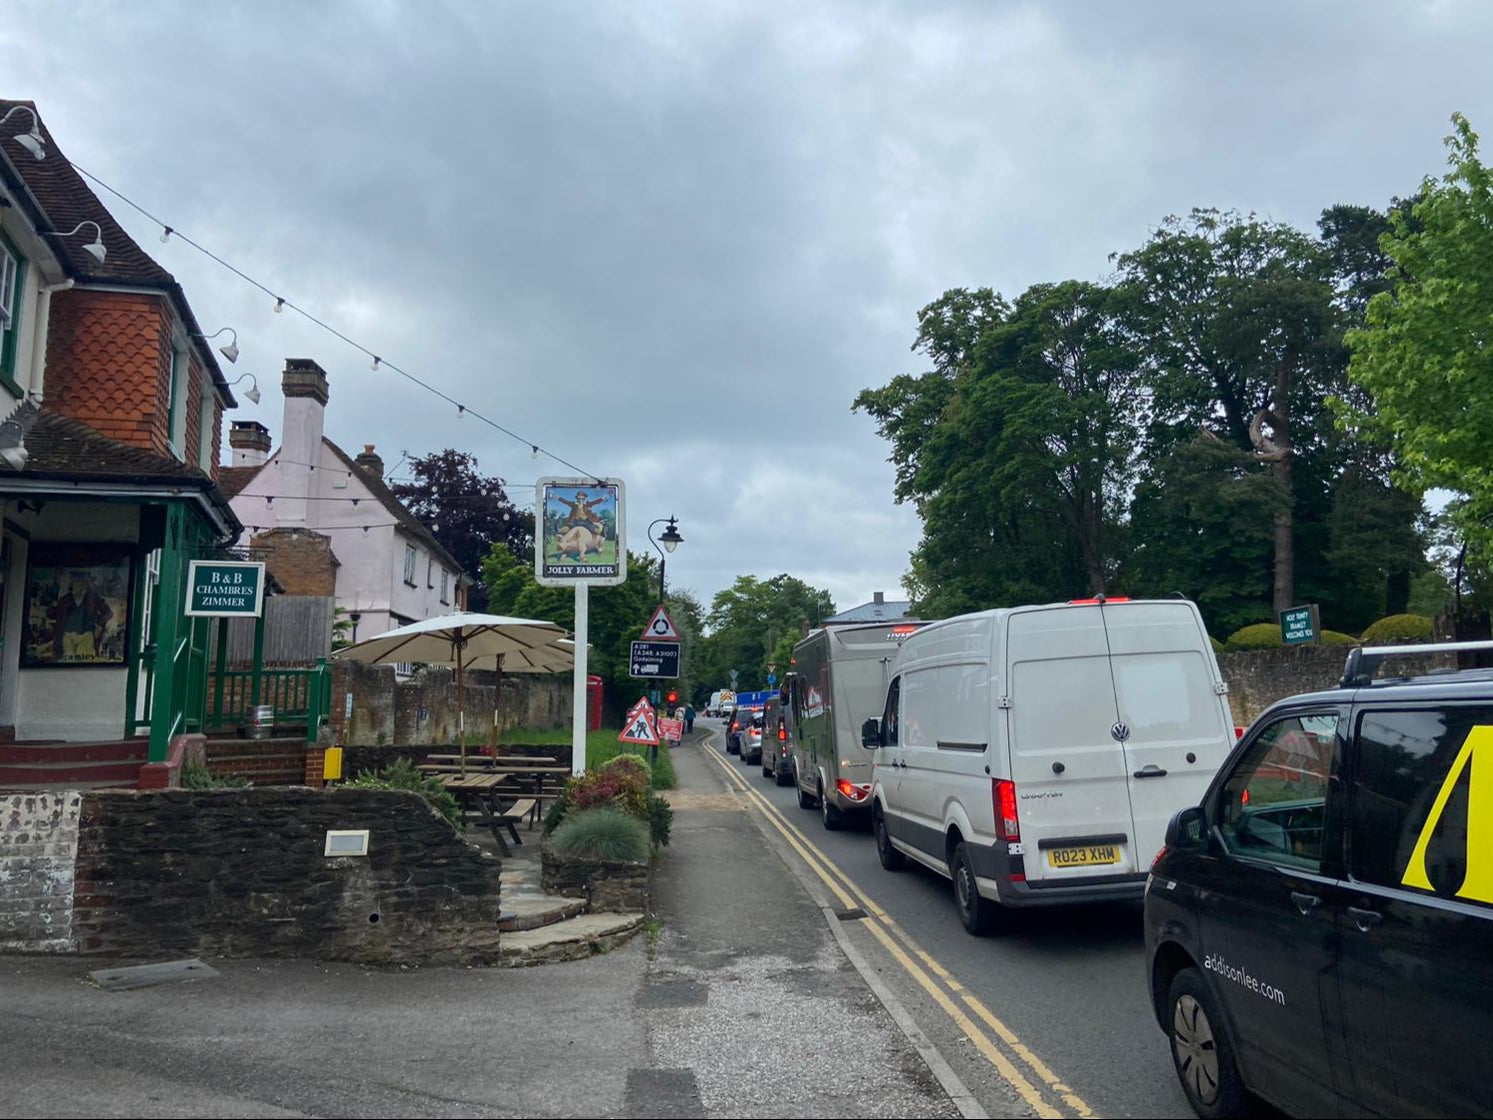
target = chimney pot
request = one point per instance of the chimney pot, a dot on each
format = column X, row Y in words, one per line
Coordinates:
column 250, row 441
column 371, row 461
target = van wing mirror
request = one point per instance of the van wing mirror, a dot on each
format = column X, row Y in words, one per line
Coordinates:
column 1188, row 830
column 871, row 733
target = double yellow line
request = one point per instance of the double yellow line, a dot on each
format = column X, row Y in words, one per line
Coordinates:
column 1017, row 1065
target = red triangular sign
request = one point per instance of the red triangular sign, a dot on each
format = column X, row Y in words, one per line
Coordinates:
column 660, row 627
column 640, row 729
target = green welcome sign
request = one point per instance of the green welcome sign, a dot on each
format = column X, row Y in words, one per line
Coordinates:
column 225, row 588
column 1299, row 626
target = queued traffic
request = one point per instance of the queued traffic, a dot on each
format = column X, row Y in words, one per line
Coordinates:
column 1317, row 890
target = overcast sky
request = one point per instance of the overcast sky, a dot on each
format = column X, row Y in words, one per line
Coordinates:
column 672, row 241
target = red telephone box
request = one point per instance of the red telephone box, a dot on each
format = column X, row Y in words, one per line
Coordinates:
column 593, row 703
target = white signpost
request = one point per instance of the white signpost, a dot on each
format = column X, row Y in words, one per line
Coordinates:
column 580, row 539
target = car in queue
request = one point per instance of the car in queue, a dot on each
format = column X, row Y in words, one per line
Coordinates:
column 1319, row 927
column 778, row 739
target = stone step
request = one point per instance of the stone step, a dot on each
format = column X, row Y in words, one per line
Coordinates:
column 521, row 913
column 569, row 940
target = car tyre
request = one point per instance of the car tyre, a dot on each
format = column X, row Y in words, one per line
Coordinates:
column 891, row 859
column 829, row 813
column 733, row 747
column 1202, row 1051
column 766, row 770
column 979, row 915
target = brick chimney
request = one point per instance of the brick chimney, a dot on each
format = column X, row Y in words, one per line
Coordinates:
column 304, row 384
column 250, row 441
column 371, row 461
column 879, row 598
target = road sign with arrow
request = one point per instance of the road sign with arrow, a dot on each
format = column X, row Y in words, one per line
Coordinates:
column 655, row 660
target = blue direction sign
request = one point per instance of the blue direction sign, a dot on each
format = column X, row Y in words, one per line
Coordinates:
column 655, row 660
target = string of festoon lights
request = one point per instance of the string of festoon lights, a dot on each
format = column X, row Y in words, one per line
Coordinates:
column 169, row 231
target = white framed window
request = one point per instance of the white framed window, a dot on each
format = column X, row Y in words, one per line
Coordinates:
column 445, row 586
column 409, row 564
column 176, row 411
column 10, row 271
column 205, row 431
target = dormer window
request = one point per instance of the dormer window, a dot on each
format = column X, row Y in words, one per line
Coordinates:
column 12, row 280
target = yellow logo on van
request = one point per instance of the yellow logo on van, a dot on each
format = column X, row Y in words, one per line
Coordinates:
column 1476, row 755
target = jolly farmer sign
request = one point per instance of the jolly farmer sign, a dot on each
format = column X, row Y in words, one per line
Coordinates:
column 219, row 588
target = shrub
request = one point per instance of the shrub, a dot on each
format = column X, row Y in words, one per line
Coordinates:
column 403, row 775
column 614, row 787
column 608, row 834
column 1338, row 638
column 1260, row 635
column 631, row 764
column 1217, row 645
column 660, row 820
column 196, row 775
column 1399, row 628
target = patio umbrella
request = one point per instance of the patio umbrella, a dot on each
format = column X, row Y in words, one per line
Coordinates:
column 462, row 640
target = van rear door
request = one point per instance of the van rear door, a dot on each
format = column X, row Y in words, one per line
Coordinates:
column 1173, row 714
column 1071, row 799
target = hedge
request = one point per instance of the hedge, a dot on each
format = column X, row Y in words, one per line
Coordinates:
column 1260, row 635
column 1399, row 628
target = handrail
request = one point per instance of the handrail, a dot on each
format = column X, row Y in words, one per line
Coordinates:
column 1364, row 661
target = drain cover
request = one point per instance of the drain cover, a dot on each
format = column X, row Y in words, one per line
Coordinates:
column 855, row 913
column 150, row 975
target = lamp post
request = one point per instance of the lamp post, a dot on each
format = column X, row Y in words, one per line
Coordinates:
column 670, row 540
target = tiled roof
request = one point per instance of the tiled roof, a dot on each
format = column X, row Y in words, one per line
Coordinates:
column 407, row 520
column 892, row 610
column 65, row 450
column 234, row 479
column 64, row 199
column 231, row 480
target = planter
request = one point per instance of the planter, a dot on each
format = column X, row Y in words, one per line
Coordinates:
column 608, row 886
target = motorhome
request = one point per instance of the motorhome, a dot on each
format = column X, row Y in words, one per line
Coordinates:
column 839, row 678
column 1034, row 755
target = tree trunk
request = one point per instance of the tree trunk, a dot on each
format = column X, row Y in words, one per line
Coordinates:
column 1285, row 548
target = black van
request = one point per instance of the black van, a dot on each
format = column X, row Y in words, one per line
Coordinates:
column 1319, row 931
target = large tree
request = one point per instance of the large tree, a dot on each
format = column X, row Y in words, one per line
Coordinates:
column 1425, row 356
column 751, row 622
column 466, row 511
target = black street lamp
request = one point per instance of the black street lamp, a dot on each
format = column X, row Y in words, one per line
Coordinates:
column 670, row 540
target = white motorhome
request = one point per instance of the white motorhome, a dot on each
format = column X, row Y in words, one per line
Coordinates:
column 840, row 677
column 1034, row 755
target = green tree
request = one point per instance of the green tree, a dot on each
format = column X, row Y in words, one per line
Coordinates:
column 751, row 621
column 1425, row 355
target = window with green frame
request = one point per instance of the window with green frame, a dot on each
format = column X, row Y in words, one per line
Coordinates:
column 12, row 283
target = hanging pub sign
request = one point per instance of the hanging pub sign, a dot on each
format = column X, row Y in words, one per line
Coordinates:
column 225, row 589
column 580, row 528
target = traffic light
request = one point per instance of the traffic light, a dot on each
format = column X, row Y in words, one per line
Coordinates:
column 673, row 697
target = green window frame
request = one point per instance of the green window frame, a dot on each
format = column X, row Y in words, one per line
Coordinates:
column 171, row 391
column 12, row 295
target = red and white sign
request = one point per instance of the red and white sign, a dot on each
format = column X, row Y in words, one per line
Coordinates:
column 641, row 727
column 661, row 627
column 671, row 729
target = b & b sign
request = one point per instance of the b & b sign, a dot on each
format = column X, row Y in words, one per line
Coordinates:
column 225, row 588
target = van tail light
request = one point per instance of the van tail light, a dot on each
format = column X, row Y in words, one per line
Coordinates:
column 1157, row 860
column 851, row 790
column 1239, row 733
column 1003, row 794
column 782, row 730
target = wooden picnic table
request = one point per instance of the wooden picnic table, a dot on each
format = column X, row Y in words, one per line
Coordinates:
column 515, row 760
column 483, row 790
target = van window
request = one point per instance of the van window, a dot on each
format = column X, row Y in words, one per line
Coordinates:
column 1275, row 802
column 1167, row 696
column 947, row 704
column 1413, row 794
column 1061, row 703
column 889, row 728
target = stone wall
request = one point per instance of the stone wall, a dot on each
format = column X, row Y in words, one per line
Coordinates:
column 608, row 886
column 422, row 710
column 1260, row 678
column 38, row 848
column 242, row 872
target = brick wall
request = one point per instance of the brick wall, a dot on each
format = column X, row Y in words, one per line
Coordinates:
column 38, row 848
column 301, row 560
column 239, row 873
column 423, row 710
column 265, row 762
column 109, row 363
column 1258, row 679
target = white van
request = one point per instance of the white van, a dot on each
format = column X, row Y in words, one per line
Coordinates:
column 1034, row 755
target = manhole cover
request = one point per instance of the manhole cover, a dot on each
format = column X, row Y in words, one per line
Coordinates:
column 150, row 975
column 855, row 913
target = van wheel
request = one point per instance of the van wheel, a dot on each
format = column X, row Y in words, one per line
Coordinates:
column 978, row 914
column 783, row 779
column 891, row 859
column 766, row 770
column 829, row 813
column 1202, row 1051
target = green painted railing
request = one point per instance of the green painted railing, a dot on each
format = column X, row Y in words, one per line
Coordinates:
column 297, row 696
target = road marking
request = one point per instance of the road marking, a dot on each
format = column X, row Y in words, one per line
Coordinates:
column 850, row 894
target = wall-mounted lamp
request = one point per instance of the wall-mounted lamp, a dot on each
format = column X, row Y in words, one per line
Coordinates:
column 231, row 350
column 96, row 247
column 32, row 141
column 252, row 392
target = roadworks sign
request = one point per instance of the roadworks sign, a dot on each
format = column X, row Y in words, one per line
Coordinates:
column 641, row 726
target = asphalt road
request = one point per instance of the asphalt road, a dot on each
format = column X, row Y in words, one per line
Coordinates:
column 1069, row 982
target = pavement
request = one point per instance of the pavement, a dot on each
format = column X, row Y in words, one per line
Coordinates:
column 737, row 1002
